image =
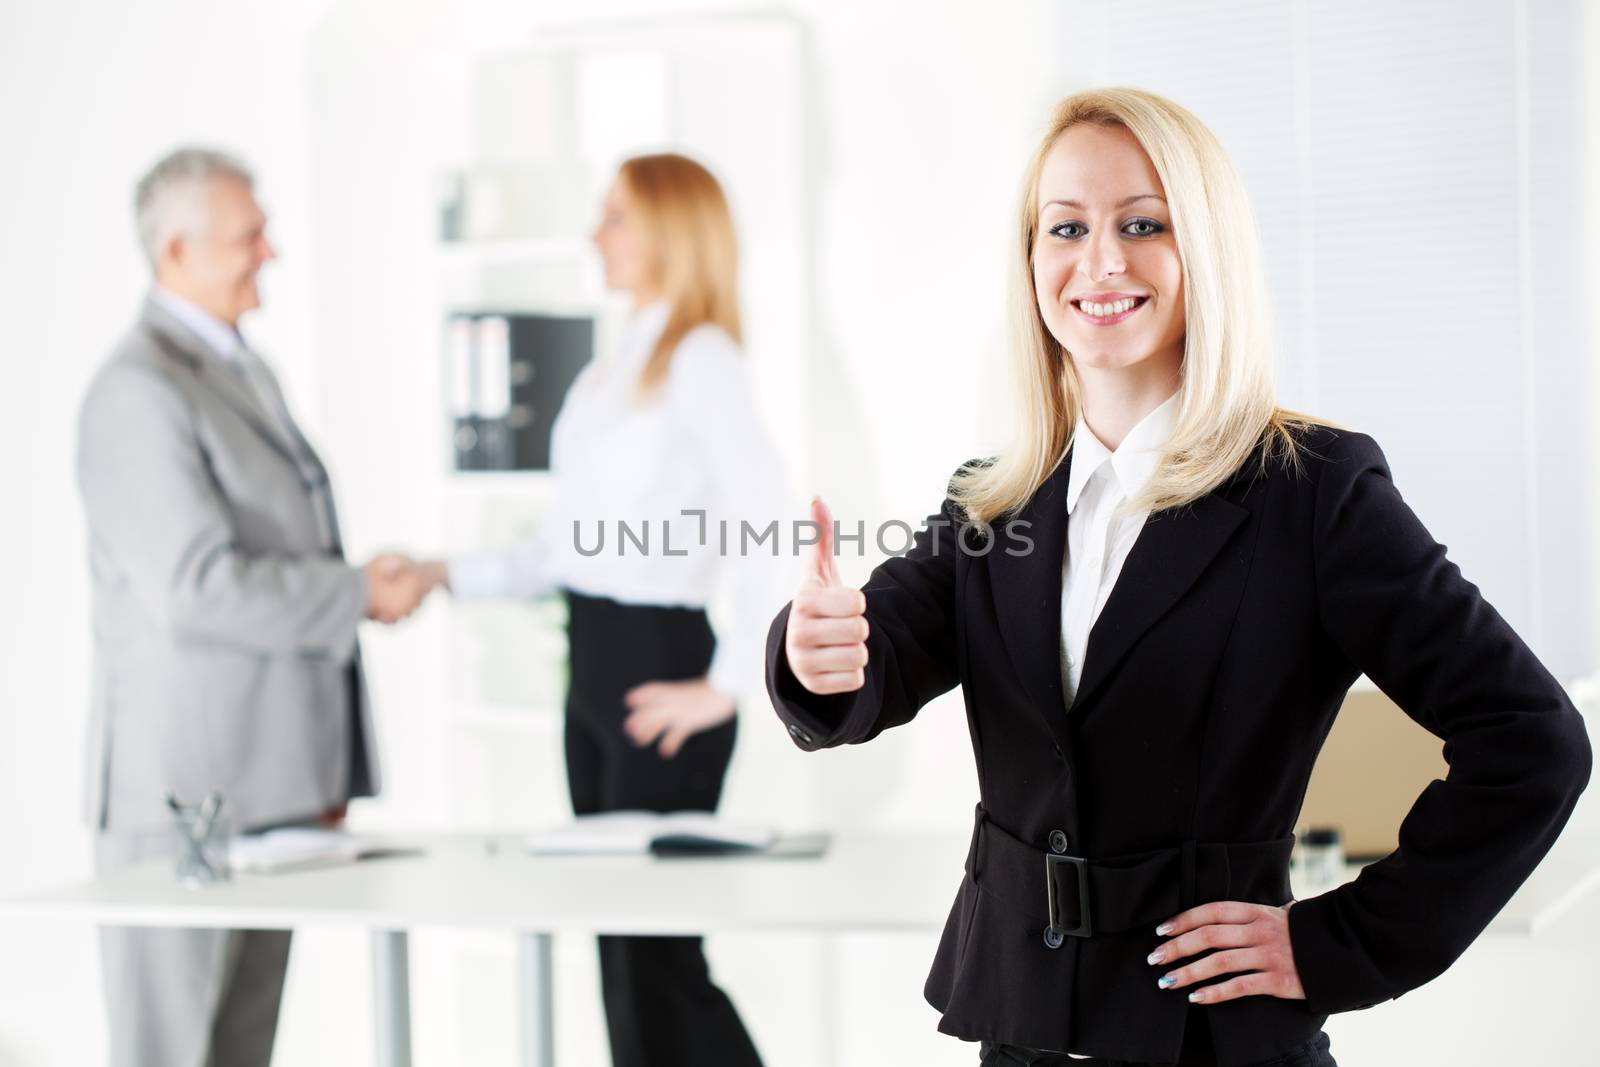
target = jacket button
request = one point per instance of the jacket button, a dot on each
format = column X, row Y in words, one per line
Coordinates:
column 1053, row 938
column 799, row 734
column 1058, row 842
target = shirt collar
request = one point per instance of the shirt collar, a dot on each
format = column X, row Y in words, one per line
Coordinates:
column 640, row 331
column 1134, row 461
column 646, row 324
column 217, row 335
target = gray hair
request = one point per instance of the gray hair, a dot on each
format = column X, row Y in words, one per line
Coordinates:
column 171, row 197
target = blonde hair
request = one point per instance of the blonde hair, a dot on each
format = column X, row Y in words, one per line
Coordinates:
column 1226, row 408
column 689, row 232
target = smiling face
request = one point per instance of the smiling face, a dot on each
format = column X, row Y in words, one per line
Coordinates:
column 216, row 268
column 1106, row 272
column 623, row 245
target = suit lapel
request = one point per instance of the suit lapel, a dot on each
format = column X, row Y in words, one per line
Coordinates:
column 1027, row 593
column 1173, row 549
column 285, row 422
column 179, row 342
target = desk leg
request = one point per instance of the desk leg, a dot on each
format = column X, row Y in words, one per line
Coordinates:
column 391, row 1000
column 538, row 996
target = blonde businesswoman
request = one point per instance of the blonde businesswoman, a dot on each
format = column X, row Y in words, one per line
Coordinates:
column 1177, row 583
column 666, row 426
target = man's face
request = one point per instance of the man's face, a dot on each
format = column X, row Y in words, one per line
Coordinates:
column 217, row 269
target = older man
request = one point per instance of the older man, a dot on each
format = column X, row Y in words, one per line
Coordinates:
column 225, row 615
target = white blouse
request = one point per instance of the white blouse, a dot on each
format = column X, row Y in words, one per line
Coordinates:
column 1098, row 537
column 625, row 471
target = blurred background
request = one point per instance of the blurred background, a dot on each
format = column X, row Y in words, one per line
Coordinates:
column 1424, row 175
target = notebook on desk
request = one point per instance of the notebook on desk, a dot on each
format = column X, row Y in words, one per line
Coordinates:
column 296, row 848
column 678, row 833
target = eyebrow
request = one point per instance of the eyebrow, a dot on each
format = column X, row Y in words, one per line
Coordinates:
column 1120, row 203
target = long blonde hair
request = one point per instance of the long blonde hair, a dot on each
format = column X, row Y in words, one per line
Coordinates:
column 689, row 232
column 1227, row 408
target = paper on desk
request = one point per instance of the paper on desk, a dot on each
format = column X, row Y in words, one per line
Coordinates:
column 291, row 847
column 633, row 831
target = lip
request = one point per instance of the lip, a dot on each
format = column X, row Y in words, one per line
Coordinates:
column 1107, row 298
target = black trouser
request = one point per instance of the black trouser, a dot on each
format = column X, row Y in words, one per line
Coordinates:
column 1197, row 1051
column 662, row 1009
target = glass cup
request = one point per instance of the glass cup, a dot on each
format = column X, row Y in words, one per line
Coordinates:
column 204, row 834
column 1322, row 858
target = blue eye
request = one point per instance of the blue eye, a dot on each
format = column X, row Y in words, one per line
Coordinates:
column 1140, row 227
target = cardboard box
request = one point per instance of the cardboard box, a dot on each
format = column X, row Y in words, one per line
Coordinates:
column 1374, row 765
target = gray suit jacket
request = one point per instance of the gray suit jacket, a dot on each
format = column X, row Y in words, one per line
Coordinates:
column 225, row 650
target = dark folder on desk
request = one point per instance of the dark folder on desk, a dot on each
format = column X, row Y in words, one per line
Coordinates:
column 784, row 846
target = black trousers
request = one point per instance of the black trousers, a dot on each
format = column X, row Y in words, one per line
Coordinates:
column 662, row 1008
column 1197, row 1051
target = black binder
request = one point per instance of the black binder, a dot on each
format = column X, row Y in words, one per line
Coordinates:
column 509, row 374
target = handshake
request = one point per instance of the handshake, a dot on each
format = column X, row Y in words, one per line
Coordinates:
column 397, row 585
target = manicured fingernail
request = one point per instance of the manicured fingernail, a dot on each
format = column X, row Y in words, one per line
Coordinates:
column 1154, row 957
column 1167, row 981
column 1194, row 998
column 1164, row 929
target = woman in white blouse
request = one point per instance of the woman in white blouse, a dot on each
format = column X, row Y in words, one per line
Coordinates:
column 658, row 457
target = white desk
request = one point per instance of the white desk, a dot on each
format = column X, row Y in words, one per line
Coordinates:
column 879, row 883
column 867, row 883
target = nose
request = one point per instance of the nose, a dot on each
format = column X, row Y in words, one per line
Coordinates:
column 267, row 251
column 1102, row 256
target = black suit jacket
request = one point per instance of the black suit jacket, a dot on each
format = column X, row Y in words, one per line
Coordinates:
column 1175, row 777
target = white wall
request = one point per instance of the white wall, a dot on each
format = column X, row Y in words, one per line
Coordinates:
column 923, row 115
column 90, row 95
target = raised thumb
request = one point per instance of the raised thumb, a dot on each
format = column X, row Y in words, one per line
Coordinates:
column 822, row 561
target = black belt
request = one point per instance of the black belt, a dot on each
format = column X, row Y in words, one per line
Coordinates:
column 1109, row 894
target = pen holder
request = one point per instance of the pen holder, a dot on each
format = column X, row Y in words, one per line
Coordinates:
column 1319, row 856
column 204, row 834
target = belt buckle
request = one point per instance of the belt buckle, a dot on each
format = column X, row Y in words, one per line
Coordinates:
column 1053, row 863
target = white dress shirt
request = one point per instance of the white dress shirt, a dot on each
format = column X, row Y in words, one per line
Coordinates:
column 218, row 336
column 1099, row 538
column 698, row 445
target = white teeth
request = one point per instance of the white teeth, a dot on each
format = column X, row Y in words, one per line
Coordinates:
column 1102, row 311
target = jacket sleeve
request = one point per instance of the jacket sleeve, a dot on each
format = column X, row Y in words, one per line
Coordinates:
column 155, row 510
column 911, row 646
column 1517, row 749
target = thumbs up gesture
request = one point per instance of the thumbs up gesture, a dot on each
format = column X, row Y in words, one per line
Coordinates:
column 827, row 636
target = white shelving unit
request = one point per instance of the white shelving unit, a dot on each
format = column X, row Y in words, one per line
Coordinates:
column 512, row 717
column 563, row 111
column 471, row 254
